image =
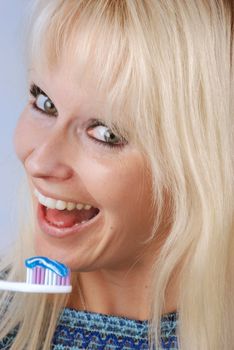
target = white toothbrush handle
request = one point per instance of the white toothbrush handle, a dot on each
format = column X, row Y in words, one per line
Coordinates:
column 33, row 288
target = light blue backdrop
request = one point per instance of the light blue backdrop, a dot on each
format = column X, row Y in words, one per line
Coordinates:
column 12, row 100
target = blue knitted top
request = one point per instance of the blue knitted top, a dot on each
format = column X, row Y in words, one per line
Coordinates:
column 79, row 330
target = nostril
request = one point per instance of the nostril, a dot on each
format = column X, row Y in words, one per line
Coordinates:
column 49, row 169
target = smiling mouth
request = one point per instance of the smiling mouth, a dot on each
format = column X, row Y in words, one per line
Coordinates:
column 69, row 218
column 61, row 214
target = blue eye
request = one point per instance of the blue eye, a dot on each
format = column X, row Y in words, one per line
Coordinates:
column 105, row 135
column 45, row 104
column 42, row 102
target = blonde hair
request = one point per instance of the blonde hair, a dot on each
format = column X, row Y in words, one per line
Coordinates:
column 168, row 73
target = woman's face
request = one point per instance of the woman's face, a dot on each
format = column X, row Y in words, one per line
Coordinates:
column 71, row 157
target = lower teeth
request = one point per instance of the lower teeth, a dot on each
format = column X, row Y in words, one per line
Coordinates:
column 82, row 222
column 62, row 224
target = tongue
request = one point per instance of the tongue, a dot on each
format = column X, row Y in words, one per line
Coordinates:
column 66, row 218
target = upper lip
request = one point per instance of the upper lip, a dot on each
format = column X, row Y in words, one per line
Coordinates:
column 56, row 197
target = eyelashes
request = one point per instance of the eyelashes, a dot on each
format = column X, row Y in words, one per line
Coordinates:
column 97, row 130
column 35, row 91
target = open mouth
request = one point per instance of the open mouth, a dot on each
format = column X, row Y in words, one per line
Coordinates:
column 68, row 218
column 61, row 219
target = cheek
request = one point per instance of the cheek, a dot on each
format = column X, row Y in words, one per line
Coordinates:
column 28, row 135
column 119, row 185
column 22, row 137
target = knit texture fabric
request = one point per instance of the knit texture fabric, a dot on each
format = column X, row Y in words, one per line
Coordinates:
column 80, row 330
column 87, row 330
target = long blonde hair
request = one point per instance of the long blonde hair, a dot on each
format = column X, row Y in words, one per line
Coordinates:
column 167, row 69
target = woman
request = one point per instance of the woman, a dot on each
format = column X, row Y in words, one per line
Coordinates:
column 127, row 146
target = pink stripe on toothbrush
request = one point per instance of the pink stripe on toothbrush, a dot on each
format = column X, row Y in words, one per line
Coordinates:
column 42, row 281
column 67, row 281
column 38, row 275
column 34, row 275
column 58, row 280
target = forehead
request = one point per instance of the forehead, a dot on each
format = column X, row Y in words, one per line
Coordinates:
column 85, row 49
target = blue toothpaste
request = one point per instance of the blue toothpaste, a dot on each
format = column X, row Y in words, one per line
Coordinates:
column 39, row 265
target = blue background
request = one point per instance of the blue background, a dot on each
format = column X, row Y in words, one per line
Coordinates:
column 13, row 94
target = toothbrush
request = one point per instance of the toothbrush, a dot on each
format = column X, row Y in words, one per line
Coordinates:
column 43, row 276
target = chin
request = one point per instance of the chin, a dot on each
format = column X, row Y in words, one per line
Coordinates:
column 44, row 248
column 59, row 253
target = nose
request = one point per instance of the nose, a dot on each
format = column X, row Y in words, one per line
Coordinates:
column 49, row 158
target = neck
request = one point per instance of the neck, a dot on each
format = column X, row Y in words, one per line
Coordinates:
column 122, row 292
column 109, row 293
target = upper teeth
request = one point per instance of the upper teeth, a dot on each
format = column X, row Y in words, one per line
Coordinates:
column 59, row 204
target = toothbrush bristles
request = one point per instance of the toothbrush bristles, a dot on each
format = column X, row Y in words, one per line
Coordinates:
column 39, row 275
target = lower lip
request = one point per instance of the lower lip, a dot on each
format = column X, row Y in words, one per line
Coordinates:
column 57, row 232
